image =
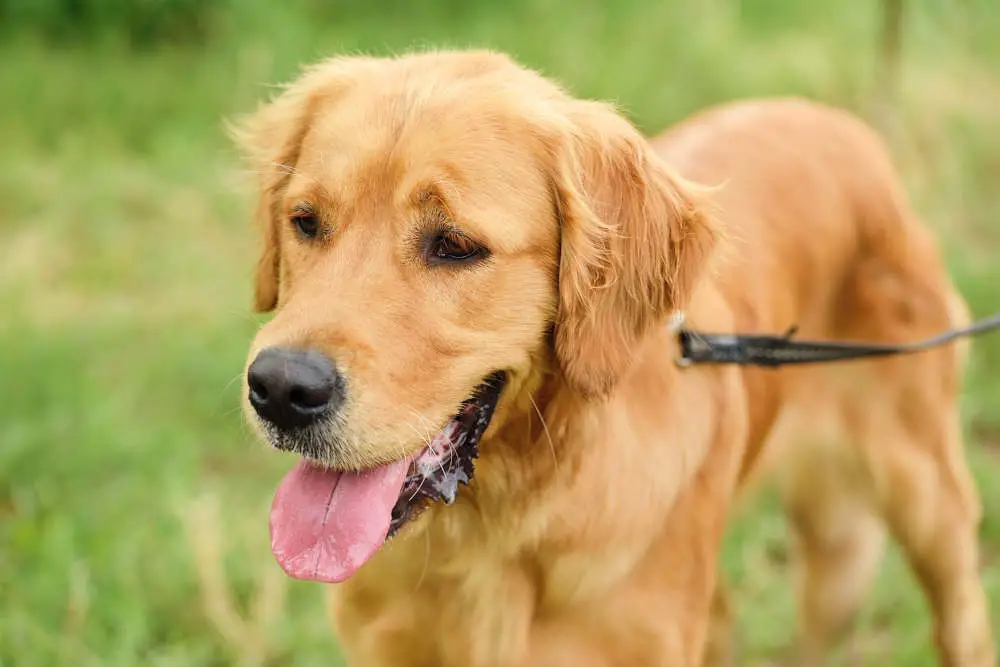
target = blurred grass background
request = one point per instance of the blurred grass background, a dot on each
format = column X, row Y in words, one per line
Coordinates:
column 133, row 502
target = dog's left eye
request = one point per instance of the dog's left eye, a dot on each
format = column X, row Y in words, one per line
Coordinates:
column 307, row 224
column 453, row 246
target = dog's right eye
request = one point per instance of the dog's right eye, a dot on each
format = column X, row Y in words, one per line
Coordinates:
column 307, row 224
column 450, row 246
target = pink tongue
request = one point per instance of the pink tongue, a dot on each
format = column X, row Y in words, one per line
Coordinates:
column 326, row 524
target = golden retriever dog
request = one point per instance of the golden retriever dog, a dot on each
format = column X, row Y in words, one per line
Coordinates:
column 473, row 276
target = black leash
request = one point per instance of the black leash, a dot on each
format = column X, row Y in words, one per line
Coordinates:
column 773, row 351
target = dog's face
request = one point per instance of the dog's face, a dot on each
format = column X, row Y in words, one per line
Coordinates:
column 438, row 228
column 415, row 248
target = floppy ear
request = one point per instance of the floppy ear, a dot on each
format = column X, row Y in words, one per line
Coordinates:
column 271, row 139
column 634, row 243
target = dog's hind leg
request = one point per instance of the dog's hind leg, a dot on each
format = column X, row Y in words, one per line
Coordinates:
column 839, row 561
column 890, row 455
column 928, row 498
column 839, row 541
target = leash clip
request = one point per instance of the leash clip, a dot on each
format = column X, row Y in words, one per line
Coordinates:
column 676, row 326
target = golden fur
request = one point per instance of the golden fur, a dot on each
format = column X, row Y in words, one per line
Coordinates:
column 591, row 533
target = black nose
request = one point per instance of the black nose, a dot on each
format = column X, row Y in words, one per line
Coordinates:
column 293, row 388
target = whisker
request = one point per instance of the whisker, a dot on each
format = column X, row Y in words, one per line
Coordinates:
column 235, row 379
column 548, row 435
column 222, row 394
column 427, row 560
column 428, row 440
column 425, row 436
column 293, row 170
column 418, row 433
column 428, row 425
column 232, row 411
column 417, row 490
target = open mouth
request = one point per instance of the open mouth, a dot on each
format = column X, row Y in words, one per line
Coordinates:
column 325, row 524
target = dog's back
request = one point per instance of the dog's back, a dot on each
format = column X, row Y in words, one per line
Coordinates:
column 821, row 235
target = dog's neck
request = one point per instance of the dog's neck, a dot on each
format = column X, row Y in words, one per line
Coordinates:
column 549, row 466
column 544, row 428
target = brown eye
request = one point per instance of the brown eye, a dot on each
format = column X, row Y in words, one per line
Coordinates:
column 452, row 246
column 307, row 224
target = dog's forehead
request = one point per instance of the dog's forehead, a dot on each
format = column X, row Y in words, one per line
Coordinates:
column 403, row 123
column 389, row 145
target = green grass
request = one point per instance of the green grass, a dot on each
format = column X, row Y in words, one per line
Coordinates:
column 125, row 256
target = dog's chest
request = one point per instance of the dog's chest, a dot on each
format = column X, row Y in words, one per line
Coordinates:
column 484, row 612
column 474, row 616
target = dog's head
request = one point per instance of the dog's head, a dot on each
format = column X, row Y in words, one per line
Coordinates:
column 439, row 228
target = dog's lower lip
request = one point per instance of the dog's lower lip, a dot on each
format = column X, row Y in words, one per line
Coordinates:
column 448, row 461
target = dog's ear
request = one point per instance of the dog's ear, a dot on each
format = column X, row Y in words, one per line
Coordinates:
column 271, row 138
column 634, row 241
